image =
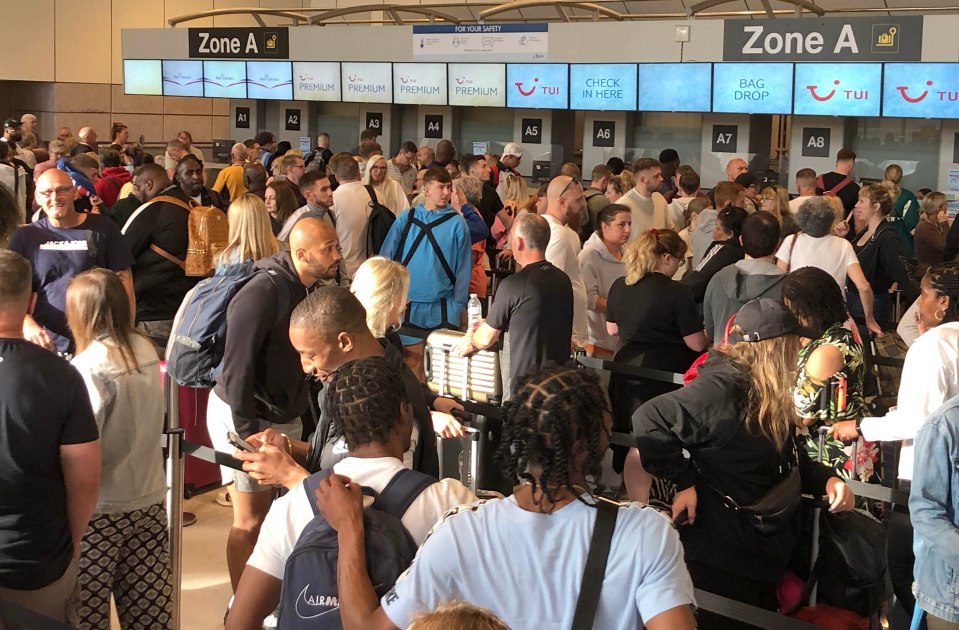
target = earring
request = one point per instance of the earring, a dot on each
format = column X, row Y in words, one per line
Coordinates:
column 938, row 316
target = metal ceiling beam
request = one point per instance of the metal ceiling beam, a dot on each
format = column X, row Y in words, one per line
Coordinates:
column 256, row 12
column 804, row 4
column 391, row 9
column 527, row 4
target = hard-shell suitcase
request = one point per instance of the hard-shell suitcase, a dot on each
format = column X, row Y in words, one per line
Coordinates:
column 475, row 377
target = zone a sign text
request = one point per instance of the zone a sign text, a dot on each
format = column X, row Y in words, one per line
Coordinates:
column 826, row 39
column 239, row 43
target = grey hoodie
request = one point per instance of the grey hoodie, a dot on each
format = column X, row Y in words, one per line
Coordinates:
column 735, row 285
column 702, row 236
column 600, row 269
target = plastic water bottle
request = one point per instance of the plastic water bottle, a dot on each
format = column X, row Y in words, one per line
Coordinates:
column 474, row 312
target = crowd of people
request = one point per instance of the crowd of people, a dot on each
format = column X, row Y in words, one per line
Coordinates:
column 766, row 303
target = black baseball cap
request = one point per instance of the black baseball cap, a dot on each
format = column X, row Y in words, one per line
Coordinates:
column 11, row 123
column 762, row 319
column 747, row 179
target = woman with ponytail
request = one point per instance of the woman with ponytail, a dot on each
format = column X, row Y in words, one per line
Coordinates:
column 905, row 208
column 655, row 318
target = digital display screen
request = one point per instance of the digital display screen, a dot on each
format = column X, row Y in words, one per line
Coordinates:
column 477, row 84
column 142, row 76
column 367, row 82
column 316, row 81
column 537, row 85
column 752, row 88
column 837, row 89
column 921, row 90
column 602, row 86
column 675, row 87
column 224, row 79
column 271, row 80
column 419, row 83
column 182, row 77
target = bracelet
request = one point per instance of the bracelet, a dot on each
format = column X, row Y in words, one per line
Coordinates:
column 289, row 444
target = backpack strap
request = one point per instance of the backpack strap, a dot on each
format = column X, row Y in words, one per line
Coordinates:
column 596, row 560
column 369, row 189
column 311, row 483
column 174, row 200
column 401, row 491
column 426, row 231
column 590, row 193
column 398, row 254
column 842, row 184
column 792, row 246
column 173, row 259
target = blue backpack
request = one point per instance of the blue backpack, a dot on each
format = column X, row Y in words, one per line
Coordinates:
column 195, row 348
column 309, row 599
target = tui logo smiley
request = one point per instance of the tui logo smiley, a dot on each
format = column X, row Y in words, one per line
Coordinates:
column 821, row 99
column 461, row 80
column 519, row 86
column 354, row 78
column 909, row 99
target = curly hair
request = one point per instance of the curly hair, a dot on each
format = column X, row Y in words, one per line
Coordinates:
column 944, row 279
column 365, row 397
column 556, row 415
column 814, row 297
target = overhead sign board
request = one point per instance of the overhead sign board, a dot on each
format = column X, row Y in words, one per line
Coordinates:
column 477, row 84
column 182, row 77
column 316, row 81
column 419, row 83
column 538, row 85
column 142, row 76
column 224, row 79
column 239, row 43
column 675, row 87
column 481, row 42
column 602, row 86
column 752, row 88
column 367, row 82
column 269, row 80
column 826, row 39
column 837, row 89
column 921, row 90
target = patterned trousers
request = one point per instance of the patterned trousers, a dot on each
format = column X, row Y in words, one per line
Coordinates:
column 127, row 556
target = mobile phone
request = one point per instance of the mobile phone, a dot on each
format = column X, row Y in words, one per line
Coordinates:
column 239, row 442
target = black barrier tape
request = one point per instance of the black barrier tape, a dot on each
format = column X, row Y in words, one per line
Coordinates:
column 759, row 617
column 207, row 454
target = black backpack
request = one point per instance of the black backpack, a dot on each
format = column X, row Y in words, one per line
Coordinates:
column 309, row 599
column 378, row 225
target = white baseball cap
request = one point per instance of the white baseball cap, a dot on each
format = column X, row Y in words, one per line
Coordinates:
column 512, row 149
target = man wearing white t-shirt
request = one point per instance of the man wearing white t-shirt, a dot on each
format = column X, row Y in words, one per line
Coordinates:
column 565, row 199
column 375, row 419
column 523, row 557
column 806, row 186
column 648, row 206
column 351, row 212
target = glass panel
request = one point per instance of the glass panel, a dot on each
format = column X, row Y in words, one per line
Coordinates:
column 911, row 143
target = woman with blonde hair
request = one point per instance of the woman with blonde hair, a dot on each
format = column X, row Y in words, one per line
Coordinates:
column 656, row 320
column 905, row 208
column 250, row 233
column 125, row 550
column 775, row 200
column 619, row 185
column 515, row 198
column 388, row 191
column 930, row 234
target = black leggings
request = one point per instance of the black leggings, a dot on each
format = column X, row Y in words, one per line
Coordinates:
column 901, row 558
column 719, row 582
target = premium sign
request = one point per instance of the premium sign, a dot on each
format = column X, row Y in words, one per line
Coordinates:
column 239, row 43
column 419, row 83
column 477, row 84
column 367, row 82
column 825, row 39
column 316, row 80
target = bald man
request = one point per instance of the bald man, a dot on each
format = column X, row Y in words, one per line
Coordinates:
column 229, row 183
column 60, row 245
column 261, row 384
column 88, row 142
column 736, row 167
column 565, row 200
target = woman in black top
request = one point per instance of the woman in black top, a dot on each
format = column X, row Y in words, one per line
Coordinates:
column 880, row 254
column 737, row 421
column 656, row 320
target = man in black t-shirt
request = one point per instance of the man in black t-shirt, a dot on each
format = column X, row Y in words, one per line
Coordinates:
column 839, row 181
column 60, row 245
column 49, row 460
column 534, row 305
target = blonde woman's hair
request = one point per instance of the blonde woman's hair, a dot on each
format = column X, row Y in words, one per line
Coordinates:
column 97, row 306
column 643, row 252
column 772, row 366
column 623, row 182
column 931, row 203
column 380, row 284
column 781, row 198
column 458, row 616
column 880, row 194
column 251, row 235
column 892, row 176
column 839, row 211
column 516, row 189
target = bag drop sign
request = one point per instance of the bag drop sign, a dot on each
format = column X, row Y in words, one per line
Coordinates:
column 746, row 88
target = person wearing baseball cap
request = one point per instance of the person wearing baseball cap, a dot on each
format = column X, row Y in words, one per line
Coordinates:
column 508, row 163
column 736, row 419
column 751, row 183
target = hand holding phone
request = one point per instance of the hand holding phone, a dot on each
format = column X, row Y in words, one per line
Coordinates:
column 239, row 442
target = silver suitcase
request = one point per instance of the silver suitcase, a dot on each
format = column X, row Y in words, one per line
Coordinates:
column 476, row 377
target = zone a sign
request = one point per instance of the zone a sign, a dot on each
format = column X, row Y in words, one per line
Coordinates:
column 239, row 43
column 825, row 39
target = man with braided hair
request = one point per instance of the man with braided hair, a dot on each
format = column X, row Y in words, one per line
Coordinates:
column 522, row 557
column 374, row 417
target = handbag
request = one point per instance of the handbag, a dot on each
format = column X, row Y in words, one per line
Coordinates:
column 774, row 510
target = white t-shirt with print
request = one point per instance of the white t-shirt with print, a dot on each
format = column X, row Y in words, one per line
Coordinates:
column 527, row 567
column 829, row 253
column 290, row 514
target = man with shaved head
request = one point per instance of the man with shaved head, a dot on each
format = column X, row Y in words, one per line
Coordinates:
column 261, row 383
column 736, row 167
column 229, row 183
column 88, row 142
column 565, row 199
column 60, row 245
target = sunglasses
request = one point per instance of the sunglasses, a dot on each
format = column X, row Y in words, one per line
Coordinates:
column 572, row 180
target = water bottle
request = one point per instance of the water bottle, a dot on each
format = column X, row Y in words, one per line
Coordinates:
column 474, row 312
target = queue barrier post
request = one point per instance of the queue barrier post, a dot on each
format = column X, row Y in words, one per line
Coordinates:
column 174, row 504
